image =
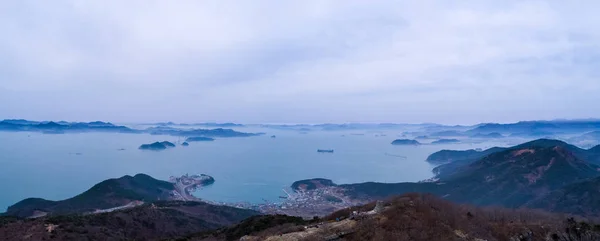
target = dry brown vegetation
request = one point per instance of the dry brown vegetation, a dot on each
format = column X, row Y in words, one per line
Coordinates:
column 428, row 218
column 147, row 222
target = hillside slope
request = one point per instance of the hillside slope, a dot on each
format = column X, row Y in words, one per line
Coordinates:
column 512, row 177
column 147, row 222
column 451, row 162
column 107, row 194
column 581, row 198
column 412, row 217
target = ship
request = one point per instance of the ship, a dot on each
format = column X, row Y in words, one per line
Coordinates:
column 324, row 151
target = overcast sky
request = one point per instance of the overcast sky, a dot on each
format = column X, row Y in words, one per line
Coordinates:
column 306, row 61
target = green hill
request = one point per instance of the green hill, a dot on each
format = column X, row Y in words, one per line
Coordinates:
column 106, row 194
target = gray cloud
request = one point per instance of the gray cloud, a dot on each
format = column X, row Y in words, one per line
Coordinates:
column 308, row 61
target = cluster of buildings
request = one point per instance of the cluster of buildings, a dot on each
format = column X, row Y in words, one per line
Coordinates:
column 317, row 202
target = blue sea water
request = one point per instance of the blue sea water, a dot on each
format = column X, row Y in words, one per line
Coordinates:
column 250, row 169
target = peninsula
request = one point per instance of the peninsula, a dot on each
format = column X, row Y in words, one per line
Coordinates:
column 115, row 194
column 186, row 185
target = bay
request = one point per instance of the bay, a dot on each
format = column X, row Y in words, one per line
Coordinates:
column 249, row 169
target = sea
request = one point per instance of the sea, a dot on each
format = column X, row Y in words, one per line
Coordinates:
column 246, row 169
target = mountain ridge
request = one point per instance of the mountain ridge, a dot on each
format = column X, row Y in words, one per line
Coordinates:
column 106, row 194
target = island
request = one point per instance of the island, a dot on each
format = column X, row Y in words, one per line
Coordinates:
column 157, row 146
column 219, row 132
column 405, row 142
column 445, row 141
column 311, row 184
column 212, row 124
column 489, row 135
column 199, row 138
column 185, row 144
column 325, row 151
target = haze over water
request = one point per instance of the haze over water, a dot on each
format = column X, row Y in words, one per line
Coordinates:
column 250, row 169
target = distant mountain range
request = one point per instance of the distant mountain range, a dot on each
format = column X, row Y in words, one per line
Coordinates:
column 24, row 125
column 539, row 127
column 208, row 124
column 534, row 129
column 61, row 127
column 585, row 131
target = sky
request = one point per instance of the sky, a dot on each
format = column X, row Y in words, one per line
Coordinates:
column 310, row 61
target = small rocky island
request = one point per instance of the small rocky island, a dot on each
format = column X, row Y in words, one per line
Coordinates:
column 199, row 138
column 489, row 135
column 445, row 141
column 185, row 144
column 157, row 146
column 311, row 184
column 405, row 142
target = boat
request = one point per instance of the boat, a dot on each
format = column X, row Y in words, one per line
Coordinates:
column 324, row 151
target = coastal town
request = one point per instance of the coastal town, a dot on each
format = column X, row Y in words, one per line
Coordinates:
column 186, row 185
column 310, row 203
column 296, row 201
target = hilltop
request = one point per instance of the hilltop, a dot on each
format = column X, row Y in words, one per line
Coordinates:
column 513, row 177
column 450, row 161
column 106, row 194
